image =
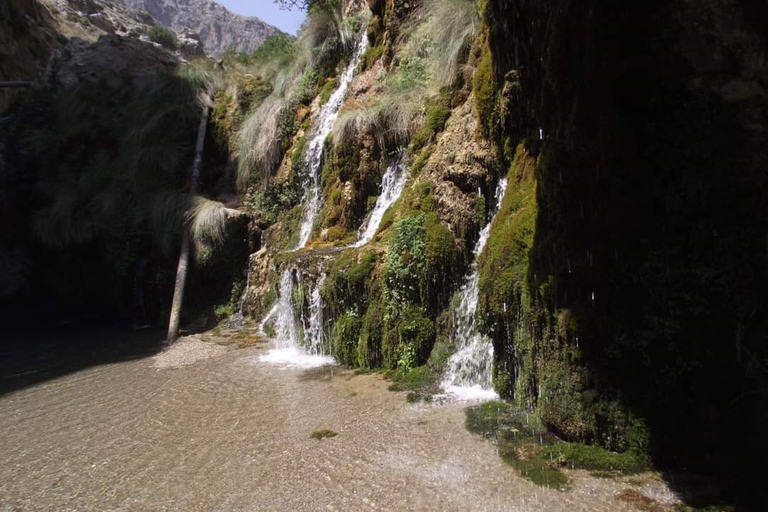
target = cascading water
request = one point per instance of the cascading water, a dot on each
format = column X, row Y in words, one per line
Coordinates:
column 285, row 324
column 314, row 153
column 314, row 335
column 468, row 375
column 392, row 184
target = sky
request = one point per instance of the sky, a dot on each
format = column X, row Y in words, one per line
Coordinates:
column 267, row 10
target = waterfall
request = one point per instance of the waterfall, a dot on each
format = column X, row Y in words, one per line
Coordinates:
column 314, row 152
column 286, row 334
column 313, row 332
column 285, row 322
column 392, row 185
column 468, row 375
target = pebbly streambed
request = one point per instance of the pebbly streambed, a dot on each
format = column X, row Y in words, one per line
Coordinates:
column 206, row 427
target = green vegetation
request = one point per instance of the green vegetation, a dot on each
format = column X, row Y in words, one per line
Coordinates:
column 163, row 36
column 297, row 72
column 275, row 48
column 437, row 116
column 331, row 84
column 486, row 99
column 323, row 433
column 435, row 48
column 420, row 383
column 539, row 455
column 371, row 55
column 582, row 456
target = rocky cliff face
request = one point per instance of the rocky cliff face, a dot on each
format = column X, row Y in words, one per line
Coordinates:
column 27, row 37
column 219, row 28
column 638, row 287
column 623, row 281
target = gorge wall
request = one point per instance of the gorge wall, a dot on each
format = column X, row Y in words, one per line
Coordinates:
column 623, row 284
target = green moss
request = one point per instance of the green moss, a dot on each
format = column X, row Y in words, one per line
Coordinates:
column 371, row 55
column 438, row 358
column 421, row 160
column 582, row 456
column 437, row 116
column 503, row 272
column 440, row 252
column 348, row 284
column 405, row 265
column 486, row 419
column 520, row 441
column 221, row 119
column 323, row 433
column 486, row 96
column 344, row 338
column 413, row 379
column 369, row 350
column 297, row 156
column 223, row 311
column 416, row 335
column 330, row 85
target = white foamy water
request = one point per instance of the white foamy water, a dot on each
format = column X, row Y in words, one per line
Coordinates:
column 313, row 331
column 314, row 152
column 468, row 375
column 295, row 358
column 285, row 322
column 392, row 184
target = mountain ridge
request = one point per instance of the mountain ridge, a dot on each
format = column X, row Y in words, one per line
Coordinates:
column 218, row 27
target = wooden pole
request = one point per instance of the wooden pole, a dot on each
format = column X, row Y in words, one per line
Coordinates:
column 181, row 269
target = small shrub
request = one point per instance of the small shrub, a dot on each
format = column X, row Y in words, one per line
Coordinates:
column 163, row 36
column 223, row 311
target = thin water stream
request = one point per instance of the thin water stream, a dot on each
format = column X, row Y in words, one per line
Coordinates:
column 468, row 374
column 232, row 433
column 313, row 158
column 392, row 184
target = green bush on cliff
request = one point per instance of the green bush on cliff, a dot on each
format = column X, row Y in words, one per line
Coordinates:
column 163, row 36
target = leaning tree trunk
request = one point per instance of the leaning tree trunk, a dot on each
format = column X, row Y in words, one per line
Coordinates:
column 181, row 270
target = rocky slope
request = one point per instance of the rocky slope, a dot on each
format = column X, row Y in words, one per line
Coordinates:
column 30, row 30
column 219, row 28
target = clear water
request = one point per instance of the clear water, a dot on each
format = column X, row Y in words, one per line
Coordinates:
column 231, row 433
column 468, row 375
column 313, row 157
column 392, row 184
